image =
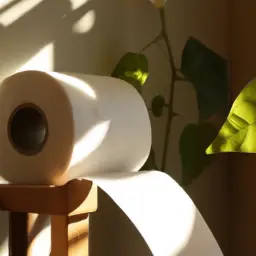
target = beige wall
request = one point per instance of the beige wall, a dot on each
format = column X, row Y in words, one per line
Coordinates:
column 243, row 69
column 122, row 26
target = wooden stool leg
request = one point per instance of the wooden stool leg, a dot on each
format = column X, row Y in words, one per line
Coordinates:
column 70, row 235
column 59, row 235
column 78, row 235
column 18, row 233
column 67, row 205
column 39, row 234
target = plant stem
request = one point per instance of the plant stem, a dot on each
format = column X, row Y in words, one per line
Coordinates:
column 159, row 37
column 171, row 94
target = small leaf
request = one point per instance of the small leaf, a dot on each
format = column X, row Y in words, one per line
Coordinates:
column 157, row 105
column 132, row 68
column 238, row 134
column 209, row 74
column 193, row 142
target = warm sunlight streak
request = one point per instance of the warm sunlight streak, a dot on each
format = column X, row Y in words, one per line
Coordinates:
column 85, row 23
column 41, row 245
column 89, row 142
column 17, row 11
column 43, row 60
column 77, row 3
column 76, row 83
column 3, row 3
column 4, row 251
column 95, row 136
column 178, row 217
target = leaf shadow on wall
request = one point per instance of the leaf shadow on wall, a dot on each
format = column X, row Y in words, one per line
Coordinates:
column 52, row 21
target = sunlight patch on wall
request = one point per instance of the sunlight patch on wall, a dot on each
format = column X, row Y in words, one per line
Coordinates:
column 85, row 23
column 75, row 4
column 17, row 11
column 43, row 60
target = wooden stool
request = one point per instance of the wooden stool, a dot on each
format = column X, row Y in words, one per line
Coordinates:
column 68, row 207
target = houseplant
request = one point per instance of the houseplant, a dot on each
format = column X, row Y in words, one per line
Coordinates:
column 206, row 71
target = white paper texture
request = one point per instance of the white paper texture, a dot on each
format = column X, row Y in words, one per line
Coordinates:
column 162, row 212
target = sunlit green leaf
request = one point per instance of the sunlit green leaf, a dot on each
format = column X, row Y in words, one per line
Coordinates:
column 157, row 105
column 133, row 68
column 238, row 134
column 193, row 141
column 208, row 73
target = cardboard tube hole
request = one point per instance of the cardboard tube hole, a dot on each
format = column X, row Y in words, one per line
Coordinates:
column 28, row 129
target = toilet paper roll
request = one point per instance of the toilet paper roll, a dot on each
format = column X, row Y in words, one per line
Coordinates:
column 55, row 127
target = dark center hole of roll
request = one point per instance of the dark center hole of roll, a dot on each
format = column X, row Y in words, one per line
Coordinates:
column 28, row 129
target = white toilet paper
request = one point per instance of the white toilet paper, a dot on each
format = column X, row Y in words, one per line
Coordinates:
column 95, row 124
column 55, row 127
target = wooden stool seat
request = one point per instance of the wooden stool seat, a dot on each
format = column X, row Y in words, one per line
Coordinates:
column 68, row 206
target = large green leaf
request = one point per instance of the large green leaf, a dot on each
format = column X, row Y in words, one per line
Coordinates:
column 209, row 74
column 238, row 134
column 133, row 68
column 193, row 141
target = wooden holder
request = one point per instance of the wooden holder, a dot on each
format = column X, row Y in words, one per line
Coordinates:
column 68, row 206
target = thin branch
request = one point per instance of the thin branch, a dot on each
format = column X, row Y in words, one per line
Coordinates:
column 156, row 39
column 171, row 96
